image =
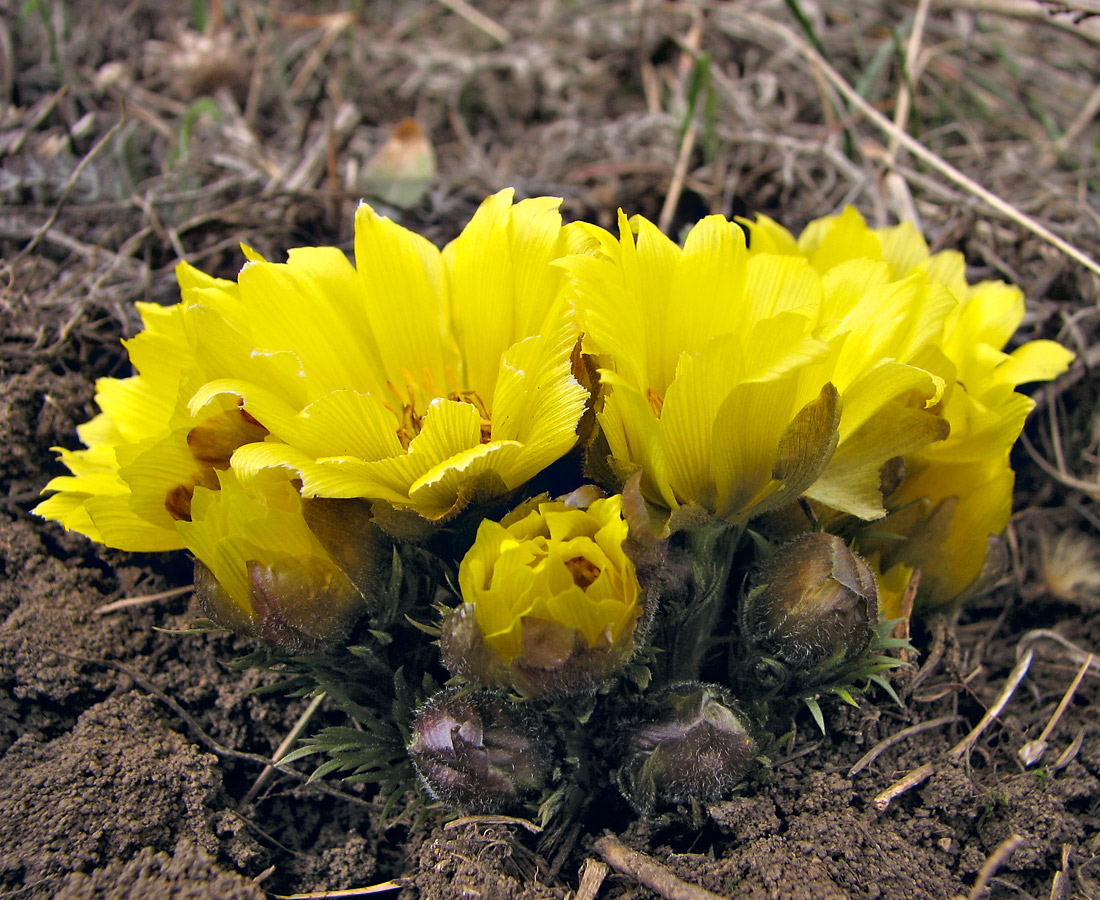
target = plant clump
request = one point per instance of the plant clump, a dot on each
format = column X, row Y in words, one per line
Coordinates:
column 649, row 500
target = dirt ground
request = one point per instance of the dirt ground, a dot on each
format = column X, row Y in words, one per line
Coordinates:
column 138, row 133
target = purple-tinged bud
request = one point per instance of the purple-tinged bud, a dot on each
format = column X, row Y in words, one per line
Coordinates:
column 812, row 606
column 693, row 744
column 476, row 753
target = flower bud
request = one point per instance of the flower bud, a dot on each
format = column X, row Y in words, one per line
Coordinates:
column 813, row 607
column 259, row 568
column 551, row 601
column 693, row 744
column 476, row 753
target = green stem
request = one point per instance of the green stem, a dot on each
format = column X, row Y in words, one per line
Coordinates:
column 712, row 551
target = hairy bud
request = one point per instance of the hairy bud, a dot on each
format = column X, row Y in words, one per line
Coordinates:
column 813, row 607
column 476, row 753
column 692, row 744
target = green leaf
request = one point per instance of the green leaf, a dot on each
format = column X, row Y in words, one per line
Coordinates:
column 815, row 711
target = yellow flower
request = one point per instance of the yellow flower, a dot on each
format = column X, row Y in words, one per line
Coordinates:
column 146, row 453
column 973, row 322
column 417, row 378
column 738, row 380
column 551, row 600
column 957, row 492
column 261, row 570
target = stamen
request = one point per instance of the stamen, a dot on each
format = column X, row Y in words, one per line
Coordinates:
column 410, row 420
column 583, row 570
column 656, row 401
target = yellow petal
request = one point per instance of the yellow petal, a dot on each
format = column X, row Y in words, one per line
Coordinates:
column 851, row 483
column 402, row 284
column 1034, row 361
column 500, row 281
column 634, row 436
column 830, row 241
column 707, row 286
column 903, row 247
column 776, row 284
column 768, row 236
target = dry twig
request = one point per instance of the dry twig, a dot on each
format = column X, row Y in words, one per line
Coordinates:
column 886, row 743
column 899, row 787
column 646, row 870
column 593, row 873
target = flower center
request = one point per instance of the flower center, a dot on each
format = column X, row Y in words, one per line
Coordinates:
column 408, row 408
column 656, row 401
column 583, row 570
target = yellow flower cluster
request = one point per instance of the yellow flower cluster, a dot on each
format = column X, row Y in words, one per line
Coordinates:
column 416, row 379
column 737, row 373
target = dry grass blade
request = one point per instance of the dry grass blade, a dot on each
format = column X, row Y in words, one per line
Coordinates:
column 1076, row 654
column 478, row 19
column 283, row 749
column 1070, row 753
column 1059, row 886
column 886, row 743
column 687, row 145
column 67, row 188
column 1086, row 487
column 922, row 773
column 395, row 884
column 1015, row 677
column 1031, row 752
column 996, row 859
column 905, row 91
column 128, row 602
column 911, row 144
column 1038, row 10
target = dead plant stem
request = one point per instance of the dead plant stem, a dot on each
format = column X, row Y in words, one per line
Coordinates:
column 647, row 871
column 283, row 749
column 70, row 183
column 1015, row 677
column 914, row 146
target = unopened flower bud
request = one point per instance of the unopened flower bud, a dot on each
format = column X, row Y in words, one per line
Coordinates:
column 551, row 601
column 813, row 607
column 693, row 744
column 476, row 753
column 260, row 570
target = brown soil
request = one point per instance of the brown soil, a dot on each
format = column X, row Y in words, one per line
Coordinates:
column 126, row 751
